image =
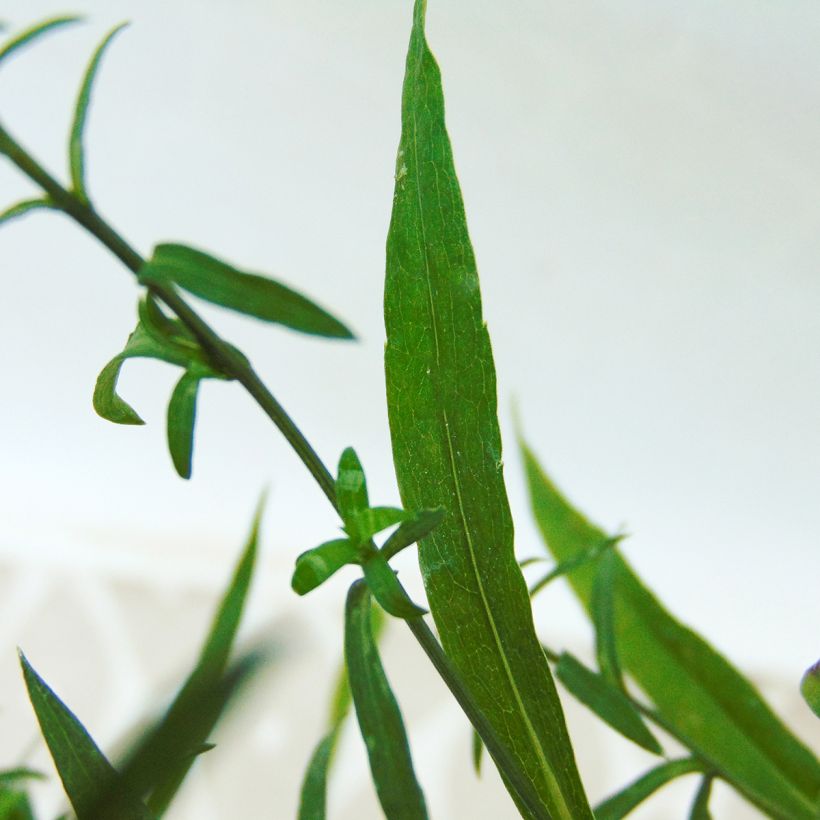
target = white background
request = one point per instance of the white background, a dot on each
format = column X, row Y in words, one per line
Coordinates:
column 641, row 183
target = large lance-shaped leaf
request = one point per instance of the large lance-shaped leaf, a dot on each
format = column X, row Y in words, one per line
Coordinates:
column 249, row 293
column 90, row 781
column 447, row 448
column 378, row 714
column 700, row 695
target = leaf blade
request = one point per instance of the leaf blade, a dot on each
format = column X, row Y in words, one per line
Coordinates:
column 36, row 31
column 24, row 207
column 181, row 422
column 439, row 367
column 315, row 566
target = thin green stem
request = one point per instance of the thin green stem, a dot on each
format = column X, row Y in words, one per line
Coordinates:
column 231, row 362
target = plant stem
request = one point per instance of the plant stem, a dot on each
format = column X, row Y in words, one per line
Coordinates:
column 233, row 364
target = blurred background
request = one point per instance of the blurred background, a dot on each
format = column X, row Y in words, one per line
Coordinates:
column 641, row 184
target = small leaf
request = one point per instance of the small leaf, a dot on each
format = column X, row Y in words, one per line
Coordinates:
column 566, row 567
column 11, row 776
column 248, row 293
column 76, row 150
column 351, row 486
column 478, row 751
column 164, row 328
column 606, row 701
column 25, row 207
column 387, row 590
column 378, row 714
column 315, row 566
column 364, row 524
column 421, row 525
column 181, row 421
column 602, row 609
column 313, row 799
column 14, row 805
column 622, row 803
column 31, row 34
column 83, row 769
column 810, row 688
column 107, row 402
column 700, row 805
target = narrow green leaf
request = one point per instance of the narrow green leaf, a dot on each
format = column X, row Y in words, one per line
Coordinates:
column 441, row 394
column 606, row 700
column 602, row 611
column 76, row 149
column 26, row 207
column 571, row 564
column 107, row 402
column 351, row 486
column 181, row 421
column 810, row 688
column 700, row 805
column 419, row 526
column 478, row 751
column 313, row 798
column 12, row 776
column 622, row 803
column 387, row 590
column 366, row 523
column 164, row 328
column 378, row 714
column 315, row 566
column 703, row 699
column 33, row 33
column 161, row 760
column 14, row 805
column 248, row 293
column 83, row 769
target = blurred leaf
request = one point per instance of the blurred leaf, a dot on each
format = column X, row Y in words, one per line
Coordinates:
column 31, row 34
column 478, row 751
column 364, row 524
column 11, row 776
column 419, row 526
column 248, row 293
column 602, row 612
column 76, row 150
column 181, row 420
column 83, row 769
column 704, row 700
column 571, row 564
column 387, row 590
column 315, row 566
column 810, row 688
column 378, row 713
column 621, row 804
column 25, row 207
column 605, row 700
column 14, row 805
column 700, row 805
column 441, row 391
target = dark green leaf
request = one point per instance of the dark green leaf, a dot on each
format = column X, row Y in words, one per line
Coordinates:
column 313, row 799
column 606, row 700
column 810, row 688
column 83, row 769
column 76, row 150
column 419, row 526
column 700, row 805
column 378, row 714
column 315, row 566
column 25, row 207
column 621, row 804
column 387, row 590
column 31, row 34
column 447, row 449
column 248, row 293
column 351, row 486
column 14, row 805
column 366, row 523
column 702, row 698
column 181, row 421
column 602, row 611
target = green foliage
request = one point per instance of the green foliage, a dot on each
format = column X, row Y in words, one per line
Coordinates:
column 447, row 447
column 24, row 207
column 700, row 805
column 181, row 419
column 708, row 704
column 29, row 35
column 602, row 611
column 810, row 688
column 378, row 714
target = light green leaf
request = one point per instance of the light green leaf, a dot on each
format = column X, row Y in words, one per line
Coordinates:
column 14, row 805
column 107, row 402
column 700, row 696
column 606, row 700
column 12, row 776
column 248, row 293
column 25, row 207
column 181, row 421
column 447, row 449
column 810, row 688
column 33, row 33
column 387, row 590
column 420, row 525
column 76, row 149
column 478, row 751
column 351, row 486
column 602, row 612
column 621, row 804
column 364, row 524
column 313, row 797
column 700, row 805
column 571, row 564
column 378, row 714
column 315, row 566
column 86, row 774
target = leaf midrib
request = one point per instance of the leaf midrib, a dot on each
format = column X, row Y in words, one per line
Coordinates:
column 533, row 737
